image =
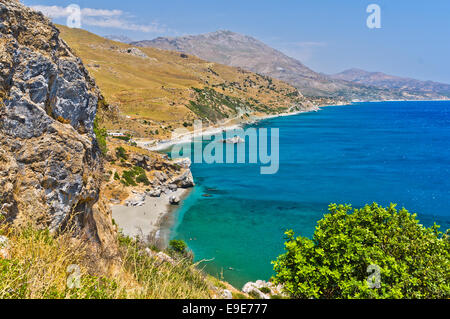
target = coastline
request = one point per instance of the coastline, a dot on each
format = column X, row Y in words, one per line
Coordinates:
column 152, row 221
column 145, row 221
column 211, row 130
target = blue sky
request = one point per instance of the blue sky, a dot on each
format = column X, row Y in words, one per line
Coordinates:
column 327, row 35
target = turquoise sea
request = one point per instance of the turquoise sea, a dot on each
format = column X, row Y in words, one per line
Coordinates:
column 367, row 152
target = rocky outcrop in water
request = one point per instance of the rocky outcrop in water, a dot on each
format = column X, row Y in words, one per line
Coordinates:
column 50, row 166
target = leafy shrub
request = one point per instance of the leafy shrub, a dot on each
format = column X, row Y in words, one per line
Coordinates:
column 142, row 179
column 254, row 295
column 128, row 177
column 122, row 138
column 121, row 153
column 414, row 261
column 134, row 176
column 100, row 134
column 178, row 246
column 265, row 290
column 238, row 295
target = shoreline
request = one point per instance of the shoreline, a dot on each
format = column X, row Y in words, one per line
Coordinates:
column 153, row 220
column 145, row 221
column 208, row 131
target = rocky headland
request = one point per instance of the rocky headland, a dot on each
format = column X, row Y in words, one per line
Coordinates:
column 50, row 163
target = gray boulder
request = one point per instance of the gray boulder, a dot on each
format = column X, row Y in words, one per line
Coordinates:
column 155, row 192
column 174, row 200
column 185, row 180
column 173, row 187
column 161, row 176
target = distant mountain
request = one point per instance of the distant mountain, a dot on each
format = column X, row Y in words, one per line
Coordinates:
column 243, row 51
column 119, row 38
column 238, row 50
column 391, row 82
column 152, row 91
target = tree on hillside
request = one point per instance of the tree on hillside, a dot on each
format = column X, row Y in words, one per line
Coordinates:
column 373, row 252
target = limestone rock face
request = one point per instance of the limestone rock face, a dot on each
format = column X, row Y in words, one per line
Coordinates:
column 185, row 180
column 50, row 169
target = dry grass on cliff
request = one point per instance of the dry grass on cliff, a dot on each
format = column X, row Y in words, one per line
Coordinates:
column 42, row 266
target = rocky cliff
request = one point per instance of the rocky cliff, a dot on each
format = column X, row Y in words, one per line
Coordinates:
column 50, row 168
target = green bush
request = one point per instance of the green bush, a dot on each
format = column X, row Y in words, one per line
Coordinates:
column 100, row 134
column 238, row 295
column 142, row 179
column 265, row 290
column 178, row 246
column 128, row 178
column 122, row 138
column 121, row 153
column 134, row 176
column 349, row 245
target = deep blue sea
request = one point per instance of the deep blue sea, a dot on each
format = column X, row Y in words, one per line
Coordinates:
column 382, row 152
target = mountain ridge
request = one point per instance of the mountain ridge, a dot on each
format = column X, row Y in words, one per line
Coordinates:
column 156, row 91
column 381, row 79
column 234, row 49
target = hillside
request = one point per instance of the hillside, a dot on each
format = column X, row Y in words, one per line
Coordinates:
column 159, row 90
column 243, row 51
column 58, row 239
column 426, row 88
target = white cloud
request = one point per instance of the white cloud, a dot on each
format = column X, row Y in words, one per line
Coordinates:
column 52, row 12
column 124, row 25
column 303, row 51
column 309, row 44
column 102, row 18
column 88, row 12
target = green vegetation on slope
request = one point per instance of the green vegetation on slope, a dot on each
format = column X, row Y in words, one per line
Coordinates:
column 350, row 247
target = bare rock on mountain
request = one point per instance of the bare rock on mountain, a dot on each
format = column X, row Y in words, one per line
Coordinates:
column 430, row 89
column 246, row 52
column 238, row 50
column 50, row 169
column 243, row 51
column 185, row 180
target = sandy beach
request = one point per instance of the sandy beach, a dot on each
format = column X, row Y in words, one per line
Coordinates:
column 208, row 131
column 145, row 221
